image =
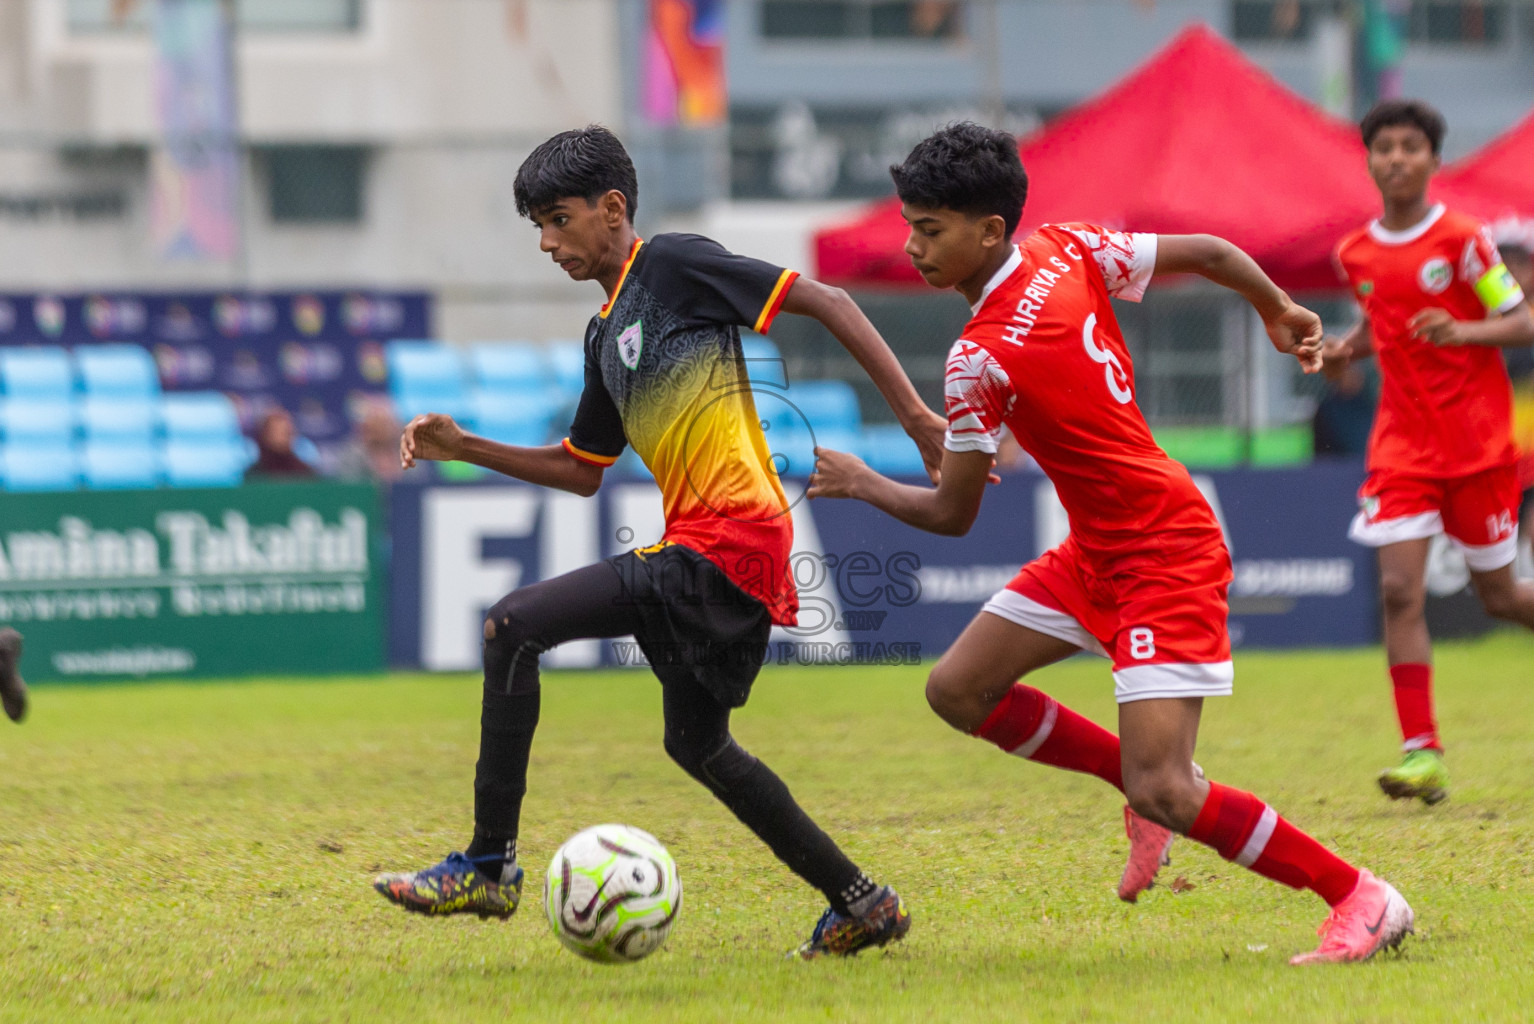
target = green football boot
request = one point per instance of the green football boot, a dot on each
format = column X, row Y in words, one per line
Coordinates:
column 1421, row 773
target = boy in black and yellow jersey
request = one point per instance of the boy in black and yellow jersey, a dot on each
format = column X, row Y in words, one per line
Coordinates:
column 665, row 375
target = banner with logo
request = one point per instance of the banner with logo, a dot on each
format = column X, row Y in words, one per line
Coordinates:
column 871, row 589
column 265, row 578
column 317, row 354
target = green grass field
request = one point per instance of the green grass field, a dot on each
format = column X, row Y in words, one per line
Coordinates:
column 204, row 852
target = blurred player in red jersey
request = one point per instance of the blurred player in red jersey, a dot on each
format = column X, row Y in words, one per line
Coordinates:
column 1438, row 303
column 1142, row 578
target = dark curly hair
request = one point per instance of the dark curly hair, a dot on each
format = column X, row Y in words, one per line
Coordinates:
column 1411, row 113
column 968, row 168
column 585, row 162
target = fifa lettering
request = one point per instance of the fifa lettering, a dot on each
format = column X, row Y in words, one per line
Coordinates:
column 1142, row 643
column 1113, row 370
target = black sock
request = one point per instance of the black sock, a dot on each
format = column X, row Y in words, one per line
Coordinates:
column 507, row 724
column 763, row 803
column 492, row 854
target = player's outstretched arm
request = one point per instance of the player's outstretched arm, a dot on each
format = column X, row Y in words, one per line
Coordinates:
column 1512, row 329
column 1293, row 328
column 949, row 508
column 841, row 316
column 435, row 437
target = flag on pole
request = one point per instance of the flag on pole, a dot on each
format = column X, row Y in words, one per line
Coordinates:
column 195, row 168
column 683, row 65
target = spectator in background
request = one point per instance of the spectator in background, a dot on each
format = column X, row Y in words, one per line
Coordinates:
column 275, row 459
column 372, row 452
column 1345, row 415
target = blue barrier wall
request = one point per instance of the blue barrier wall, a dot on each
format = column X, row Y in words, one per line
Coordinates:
column 870, row 588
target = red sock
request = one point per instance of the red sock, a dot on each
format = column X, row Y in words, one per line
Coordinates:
column 1242, row 828
column 1033, row 725
column 1414, row 706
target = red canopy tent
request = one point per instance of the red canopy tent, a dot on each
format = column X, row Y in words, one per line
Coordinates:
column 1496, row 182
column 1198, row 139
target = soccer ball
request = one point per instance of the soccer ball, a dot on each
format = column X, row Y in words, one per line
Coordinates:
column 612, row 894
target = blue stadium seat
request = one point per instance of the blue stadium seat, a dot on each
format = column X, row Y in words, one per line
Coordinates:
column 568, row 361
column 118, row 418
column 509, row 365
column 307, row 450
column 827, row 404
column 194, row 415
column 793, row 451
column 778, row 416
column 36, row 372
column 631, row 466
column 119, row 369
column 513, row 417
column 37, row 466
column 207, row 462
column 409, row 404
column 38, row 421
column 426, row 376
column 888, row 449
column 424, row 364
column 764, row 363
column 115, row 463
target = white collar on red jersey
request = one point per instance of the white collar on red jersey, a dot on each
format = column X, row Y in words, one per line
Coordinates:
column 1387, row 237
column 1013, row 262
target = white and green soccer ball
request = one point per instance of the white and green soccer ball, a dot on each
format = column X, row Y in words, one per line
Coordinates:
column 612, row 894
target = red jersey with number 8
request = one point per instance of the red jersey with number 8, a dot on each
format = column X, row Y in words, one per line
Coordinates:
column 1043, row 355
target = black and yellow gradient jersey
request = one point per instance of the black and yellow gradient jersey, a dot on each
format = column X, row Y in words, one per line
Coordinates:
column 664, row 373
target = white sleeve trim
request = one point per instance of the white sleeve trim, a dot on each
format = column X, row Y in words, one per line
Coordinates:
column 1126, row 259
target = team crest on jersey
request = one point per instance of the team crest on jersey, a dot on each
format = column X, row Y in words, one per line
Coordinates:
column 631, row 343
column 1436, row 275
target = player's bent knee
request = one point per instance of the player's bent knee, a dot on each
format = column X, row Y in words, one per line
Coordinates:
column 1400, row 596
column 510, row 653
column 1500, row 602
column 1162, row 797
column 946, row 699
column 718, row 765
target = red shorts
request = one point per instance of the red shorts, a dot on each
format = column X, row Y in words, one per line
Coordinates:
column 1479, row 512
column 1163, row 625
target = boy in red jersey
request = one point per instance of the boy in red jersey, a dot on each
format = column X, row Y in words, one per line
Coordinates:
column 1142, row 578
column 1437, row 303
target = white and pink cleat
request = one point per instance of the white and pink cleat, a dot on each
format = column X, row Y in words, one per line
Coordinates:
column 1372, row 918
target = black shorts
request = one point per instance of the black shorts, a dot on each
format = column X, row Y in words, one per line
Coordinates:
column 696, row 623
